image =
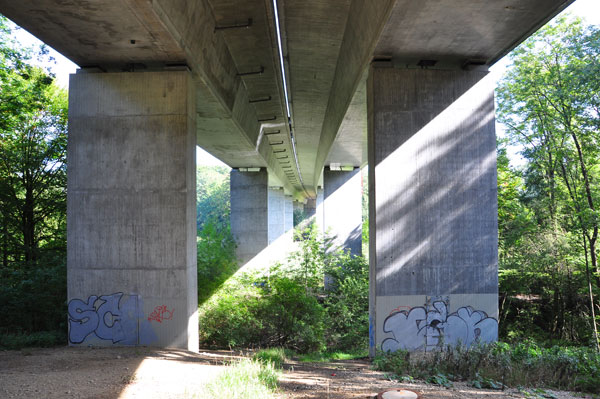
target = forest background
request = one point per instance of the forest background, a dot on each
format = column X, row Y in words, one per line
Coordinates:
column 549, row 105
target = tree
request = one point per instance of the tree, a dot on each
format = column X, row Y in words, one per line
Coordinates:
column 33, row 126
column 33, row 139
column 549, row 102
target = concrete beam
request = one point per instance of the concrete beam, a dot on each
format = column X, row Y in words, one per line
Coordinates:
column 366, row 21
column 131, row 214
column 432, row 208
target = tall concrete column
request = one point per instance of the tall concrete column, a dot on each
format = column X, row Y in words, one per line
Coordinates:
column 131, row 214
column 432, row 209
column 342, row 208
column 249, row 213
column 281, row 216
column 313, row 208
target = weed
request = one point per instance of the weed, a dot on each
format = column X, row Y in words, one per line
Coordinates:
column 495, row 365
column 247, row 379
column 275, row 356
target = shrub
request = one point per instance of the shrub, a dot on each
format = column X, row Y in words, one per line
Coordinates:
column 288, row 306
column 499, row 364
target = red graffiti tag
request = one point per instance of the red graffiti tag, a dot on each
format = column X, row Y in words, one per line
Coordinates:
column 400, row 309
column 161, row 313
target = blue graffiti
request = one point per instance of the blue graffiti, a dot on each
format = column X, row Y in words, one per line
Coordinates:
column 110, row 317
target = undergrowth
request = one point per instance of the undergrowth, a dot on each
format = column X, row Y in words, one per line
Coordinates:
column 497, row 365
column 287, row 305
column 243, row 379
column 40, row 339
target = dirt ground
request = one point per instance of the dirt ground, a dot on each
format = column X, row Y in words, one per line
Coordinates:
column 125, row 373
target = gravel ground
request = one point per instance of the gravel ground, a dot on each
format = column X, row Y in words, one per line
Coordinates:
column 124, row 373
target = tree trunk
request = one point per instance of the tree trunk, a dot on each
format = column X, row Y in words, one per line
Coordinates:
column 591, row 296
column 29, row 227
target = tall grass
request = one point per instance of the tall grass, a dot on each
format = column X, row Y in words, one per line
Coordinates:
column 243, row 379
column 500, row 364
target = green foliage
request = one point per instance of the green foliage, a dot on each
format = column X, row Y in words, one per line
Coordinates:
column 33, row 140
column 495, row 365
column 288, row 306
column 215, row 243
column 42, row 339
column 216, row 258
column 212, row 196
column 347, row 304
column 548, row 228
column 328, row 356
column 275, row 356
column 247, row 379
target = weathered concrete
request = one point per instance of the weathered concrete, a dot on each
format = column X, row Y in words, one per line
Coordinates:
column 281, row 216
column 327, row 46
column 131, row 210
column 342, row 208
column 249, row 213
column 313, row 209
column 432, row 207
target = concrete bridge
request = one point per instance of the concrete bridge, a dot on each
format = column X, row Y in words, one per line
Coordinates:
column 296, row 96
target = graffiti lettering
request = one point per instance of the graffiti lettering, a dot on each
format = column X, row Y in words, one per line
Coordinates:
column 161, row 313
column 431, row 326
column 110, row 317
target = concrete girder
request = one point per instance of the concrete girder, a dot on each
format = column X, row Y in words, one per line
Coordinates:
column 232, row 114
column 327, row 46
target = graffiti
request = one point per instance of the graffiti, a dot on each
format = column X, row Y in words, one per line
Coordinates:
column 161, row 313
column 431, row 326
column 400, row 309
column 109, row 317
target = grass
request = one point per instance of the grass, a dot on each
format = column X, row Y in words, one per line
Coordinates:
column 275, row 356
column 321, row 357
column 243, row 379
column 278, row 356
column 499, row 364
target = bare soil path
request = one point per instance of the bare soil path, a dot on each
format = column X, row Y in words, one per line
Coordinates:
column 126, row 373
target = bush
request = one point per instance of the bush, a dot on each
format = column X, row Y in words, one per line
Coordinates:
column 216, row 257
column 498, row 364
column 347, row 304
column 288, row 306
column 34, row 300
column 42, row 339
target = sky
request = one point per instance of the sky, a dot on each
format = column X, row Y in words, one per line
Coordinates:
column 588, row 10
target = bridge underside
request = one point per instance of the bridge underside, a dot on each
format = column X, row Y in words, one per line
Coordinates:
column 397, row 84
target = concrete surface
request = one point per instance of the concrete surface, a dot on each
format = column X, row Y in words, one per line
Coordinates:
column 433, row 195
column 327, row 47
column 280, row 213
column 249, row 213
column 342, row 208
column 131, row 211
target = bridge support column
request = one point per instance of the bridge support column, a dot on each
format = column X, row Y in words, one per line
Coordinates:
column 249, row 213
column 432, row 208
column 342, row 208
column 313, row 208
column 281, row 216
column 131, row 210
column 261, row 219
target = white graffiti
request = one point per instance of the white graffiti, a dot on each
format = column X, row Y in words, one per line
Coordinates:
column 431, row 326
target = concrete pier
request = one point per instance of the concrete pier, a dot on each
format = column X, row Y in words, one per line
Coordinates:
column 249, row 213
column 281, row 215
column 342, row 208
column 131, row 210
column 433, row 208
